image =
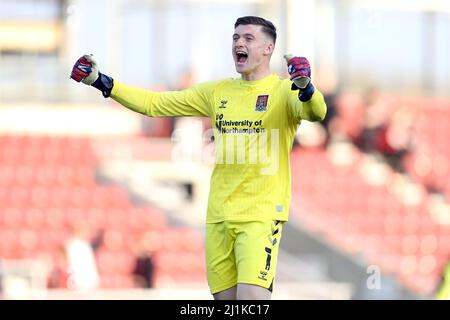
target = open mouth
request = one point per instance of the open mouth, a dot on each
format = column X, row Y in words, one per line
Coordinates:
column 241, row 57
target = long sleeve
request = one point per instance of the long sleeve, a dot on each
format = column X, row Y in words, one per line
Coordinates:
column 195, row 101
column 314, row 109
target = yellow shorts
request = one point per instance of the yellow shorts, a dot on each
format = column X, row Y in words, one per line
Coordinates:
column 242, row 252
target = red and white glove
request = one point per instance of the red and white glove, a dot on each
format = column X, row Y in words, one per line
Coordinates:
column 300, row 73
column 85, row 70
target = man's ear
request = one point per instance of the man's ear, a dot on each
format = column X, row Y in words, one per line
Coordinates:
column 268, row 50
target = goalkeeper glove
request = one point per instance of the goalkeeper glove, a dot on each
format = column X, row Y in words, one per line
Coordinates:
column 86, row 71
column 300, row 74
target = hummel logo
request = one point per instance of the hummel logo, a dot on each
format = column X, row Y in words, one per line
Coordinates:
column 290, row 68
column 86, row 69
column 223, row 103
column 263, row 275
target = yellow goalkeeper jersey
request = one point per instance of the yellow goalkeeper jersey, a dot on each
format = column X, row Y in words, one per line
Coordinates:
column 254, row 124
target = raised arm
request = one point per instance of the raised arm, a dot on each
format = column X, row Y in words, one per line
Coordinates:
column 194, row 101
column 189, row 102
column 307, row 103
column 314, row 109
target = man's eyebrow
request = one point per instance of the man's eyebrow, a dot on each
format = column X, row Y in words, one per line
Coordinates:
column 244, row 35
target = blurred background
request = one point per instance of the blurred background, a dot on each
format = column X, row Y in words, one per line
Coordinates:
column 98, row 202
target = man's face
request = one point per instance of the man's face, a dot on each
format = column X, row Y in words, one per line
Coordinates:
column 251, row 47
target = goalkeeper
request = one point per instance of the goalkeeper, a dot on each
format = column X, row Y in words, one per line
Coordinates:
column 254, row 118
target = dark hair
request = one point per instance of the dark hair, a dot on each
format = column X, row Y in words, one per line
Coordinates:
column 268, row 27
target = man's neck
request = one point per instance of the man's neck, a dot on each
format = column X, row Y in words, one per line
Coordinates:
column 256, row 74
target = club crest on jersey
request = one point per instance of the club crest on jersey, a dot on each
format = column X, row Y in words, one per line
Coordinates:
column 261, row 103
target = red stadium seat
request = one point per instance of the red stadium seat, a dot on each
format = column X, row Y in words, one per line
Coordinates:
column 167, row 262
column 28, row 240
column 191, row 240
column 113, row 240
column 45, row 176
column 40, row 197
column 152, row 240
column 106, row 261
column 97, row 217
column 13, row 217
column 18, row 197
column 34, row 218
column 56, row 218
column 9, row 244
column 172, row 240
column 48, row 183
column 370, row 220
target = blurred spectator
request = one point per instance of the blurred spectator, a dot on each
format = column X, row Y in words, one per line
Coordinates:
column 144, row 266
column 143, row 270
column 83, row 273
column 98, row 240
column 58, row 275
column 375, row 119
column 331, row 101
column 385, row 133
column 396, row 139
